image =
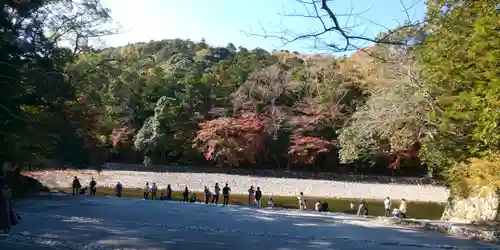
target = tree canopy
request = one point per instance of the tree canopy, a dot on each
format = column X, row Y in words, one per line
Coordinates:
column 419, row 108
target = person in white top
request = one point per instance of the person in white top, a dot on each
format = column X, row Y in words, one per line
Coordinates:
column 302, row 202
column 402, row 208
column 387, row 206
column 251, row 196
column 215, row 197
column 146, row 191
column 317, row 206
column 352, row 206
column 154, row 189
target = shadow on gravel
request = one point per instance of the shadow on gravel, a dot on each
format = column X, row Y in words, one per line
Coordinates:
column 110, row 223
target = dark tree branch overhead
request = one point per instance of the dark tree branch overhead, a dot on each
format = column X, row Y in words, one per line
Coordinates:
column 329, row 22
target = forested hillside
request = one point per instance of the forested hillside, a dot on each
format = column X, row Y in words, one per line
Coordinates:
column 386, row 109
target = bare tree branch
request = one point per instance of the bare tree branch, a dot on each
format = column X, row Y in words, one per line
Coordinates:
column 329, row 23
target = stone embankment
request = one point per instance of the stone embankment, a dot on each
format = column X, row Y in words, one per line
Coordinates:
column 486, row 233
column 196, row 180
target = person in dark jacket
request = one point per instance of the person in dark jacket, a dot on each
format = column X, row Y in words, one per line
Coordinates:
column 8, row 217
column 208, row 195
column 215, row 197
column 258, row 197
column 225, row 192
column 168, row 193
column 76, row 186
column 118, row 189
column 185, row 195
column 5, row 222
column 93, row 188
column 324, row 206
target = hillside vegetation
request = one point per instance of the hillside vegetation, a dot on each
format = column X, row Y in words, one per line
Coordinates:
column 419, row 109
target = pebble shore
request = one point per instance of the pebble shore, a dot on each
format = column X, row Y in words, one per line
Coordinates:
column 239, row 184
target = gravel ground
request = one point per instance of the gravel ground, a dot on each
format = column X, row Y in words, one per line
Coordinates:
column 99, row 223
column 240, row 184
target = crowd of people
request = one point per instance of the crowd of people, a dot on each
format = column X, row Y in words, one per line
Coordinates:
column 151, row 192
column 254, row 197
column 9, row 218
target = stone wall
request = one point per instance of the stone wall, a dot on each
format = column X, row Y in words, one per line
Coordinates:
column 474, row 209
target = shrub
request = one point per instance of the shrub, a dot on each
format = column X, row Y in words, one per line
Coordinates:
column 479, row 176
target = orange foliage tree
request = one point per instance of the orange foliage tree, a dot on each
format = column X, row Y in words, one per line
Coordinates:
column 231, row 141
column 305, row 149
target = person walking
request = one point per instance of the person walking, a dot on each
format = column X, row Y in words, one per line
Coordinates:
column 118, row 189
column 76, row 186
column 387, row 206
column 93, row 187
column 185, row 195
column 215, row 197
column 146, row 191
column 251, row 196
column 207, row 193
column 258, row 197
column 225, row 192
column 154, row 189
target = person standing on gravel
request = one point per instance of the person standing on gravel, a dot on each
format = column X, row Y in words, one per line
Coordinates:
column 185, row 195
column 154, row 189
column 5, row 222
column 258, row 197
column 215, row 197
column 207, row 193
column 76, row 186
column 169, row 193
column 225, row 191
column 251, row 194
column 402, row 208
column 146, row 191
column 93, row 188
column 302, row 201
column 118, row 189
column 387, row 206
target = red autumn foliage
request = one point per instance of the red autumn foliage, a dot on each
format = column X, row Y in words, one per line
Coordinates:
column 410, row 153
column 231, row 140
column 122, row 136
column 306, row 149
column 310, row 116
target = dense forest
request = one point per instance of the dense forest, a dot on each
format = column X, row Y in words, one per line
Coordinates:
column 430, row 106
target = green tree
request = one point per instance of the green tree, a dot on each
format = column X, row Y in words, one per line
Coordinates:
column 461, row 66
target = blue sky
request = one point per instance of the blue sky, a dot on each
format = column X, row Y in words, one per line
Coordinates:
column 223, row 21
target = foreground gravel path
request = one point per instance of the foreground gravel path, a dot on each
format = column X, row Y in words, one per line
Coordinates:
column 240, row 184
column 100, row 223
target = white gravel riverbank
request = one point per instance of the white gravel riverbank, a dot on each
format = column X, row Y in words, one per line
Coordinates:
column 240, row 184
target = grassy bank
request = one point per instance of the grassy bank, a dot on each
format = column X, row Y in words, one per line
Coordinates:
column 420, row 210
